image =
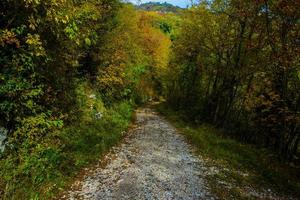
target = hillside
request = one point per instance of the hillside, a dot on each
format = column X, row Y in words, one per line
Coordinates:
column 160, row 7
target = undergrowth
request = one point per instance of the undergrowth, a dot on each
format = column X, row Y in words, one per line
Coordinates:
column 241, row 165
column 40, row 169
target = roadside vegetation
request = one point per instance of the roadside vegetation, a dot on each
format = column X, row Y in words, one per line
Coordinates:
column 72, row 73
column 235, row 65
column 236, row 170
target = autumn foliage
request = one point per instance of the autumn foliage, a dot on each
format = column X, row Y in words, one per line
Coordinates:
column 236, row 65
column 70, row 74
column 230, row 63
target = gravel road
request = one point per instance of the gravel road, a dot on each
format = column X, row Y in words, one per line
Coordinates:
column 154, row 162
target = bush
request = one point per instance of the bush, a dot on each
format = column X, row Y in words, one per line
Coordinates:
column 41, row 163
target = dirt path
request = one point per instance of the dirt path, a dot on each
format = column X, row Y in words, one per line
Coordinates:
column 154, row 163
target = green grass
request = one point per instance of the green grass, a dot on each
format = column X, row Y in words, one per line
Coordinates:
column 247, row 165
column 42, row 169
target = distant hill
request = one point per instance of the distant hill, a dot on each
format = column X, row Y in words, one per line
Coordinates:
column 160, row 7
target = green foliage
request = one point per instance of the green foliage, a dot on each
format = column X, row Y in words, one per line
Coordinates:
column 168, row 23
column 71, row 72
column 234, row 65
column 160, row 7
column 136, row 52
column 47, row 157
column 49, row 57
column 35, row 127
column 71, row 31
column 221, row 152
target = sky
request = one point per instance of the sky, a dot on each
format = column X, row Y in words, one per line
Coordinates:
column 180, row 3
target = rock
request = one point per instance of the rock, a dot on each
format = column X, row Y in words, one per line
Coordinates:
column 98, row 115
column 3, row 139
column 92, row 96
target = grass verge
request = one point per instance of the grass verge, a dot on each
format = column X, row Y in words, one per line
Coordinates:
column 240, row 171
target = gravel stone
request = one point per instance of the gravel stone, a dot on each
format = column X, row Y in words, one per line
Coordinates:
column 155, row 163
